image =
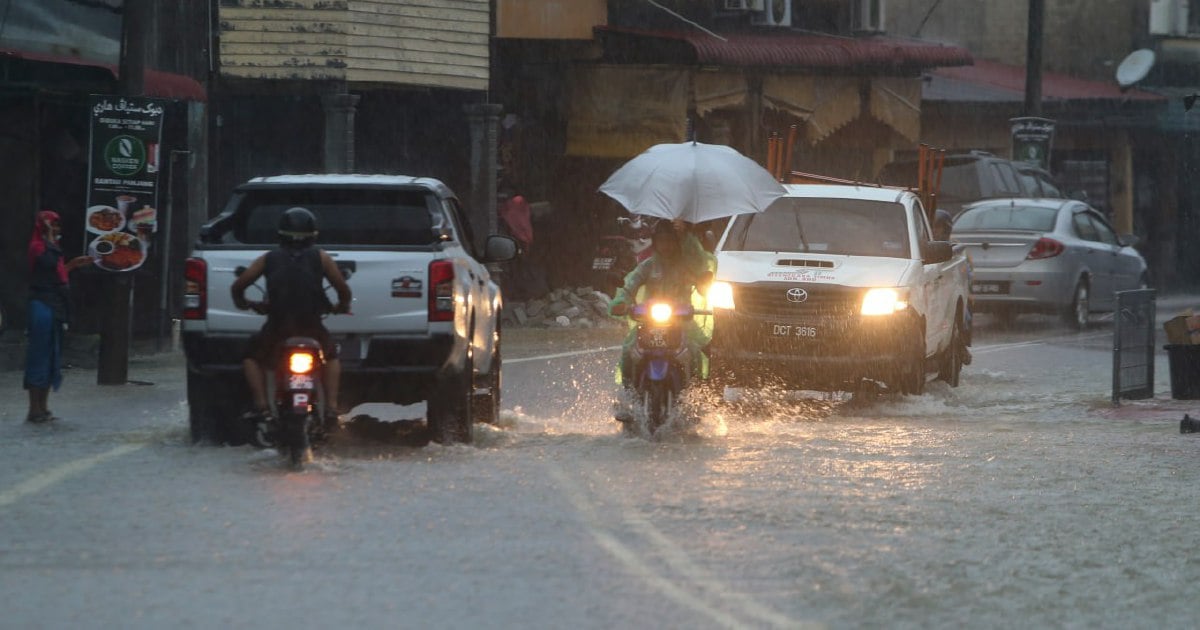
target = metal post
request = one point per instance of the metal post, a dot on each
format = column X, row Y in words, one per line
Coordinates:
column 484, row 120
column 1033, row 59
column 340, row 108
column 116, row 326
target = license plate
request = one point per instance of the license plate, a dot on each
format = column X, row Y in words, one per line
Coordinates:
column 793, row 330
column 300, row 381
column 602, row 264
column 989, row 288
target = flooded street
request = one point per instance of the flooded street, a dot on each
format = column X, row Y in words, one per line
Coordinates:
column 1022, row 494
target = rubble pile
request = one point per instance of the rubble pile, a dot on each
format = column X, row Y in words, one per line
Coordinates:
column 581, row 307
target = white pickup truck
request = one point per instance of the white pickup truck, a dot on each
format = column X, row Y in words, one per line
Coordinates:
column 425, row 321
column 834, row 285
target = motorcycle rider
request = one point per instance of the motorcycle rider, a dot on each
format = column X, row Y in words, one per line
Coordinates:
column 295, row 302
column 677, row 271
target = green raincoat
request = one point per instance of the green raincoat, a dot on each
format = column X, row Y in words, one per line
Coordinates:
column 652, row 279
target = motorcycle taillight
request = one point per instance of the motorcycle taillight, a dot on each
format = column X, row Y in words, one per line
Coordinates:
column 301, row 362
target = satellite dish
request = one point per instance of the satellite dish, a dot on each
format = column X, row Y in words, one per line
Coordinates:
column 1135, row 67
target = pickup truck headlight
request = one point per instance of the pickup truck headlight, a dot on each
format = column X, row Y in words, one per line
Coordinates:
column 720, row 295
column 883, row 302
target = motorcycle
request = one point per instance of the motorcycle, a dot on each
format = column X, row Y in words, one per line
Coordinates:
column 298, row 381
column 662, row 360
column 617, row 254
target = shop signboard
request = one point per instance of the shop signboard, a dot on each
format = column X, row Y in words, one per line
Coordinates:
column 122, row 206
column 1031, row 140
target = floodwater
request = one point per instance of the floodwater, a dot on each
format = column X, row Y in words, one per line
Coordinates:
column 1020, row 498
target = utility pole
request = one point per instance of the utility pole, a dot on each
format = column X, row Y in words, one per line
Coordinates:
column 1033, row 58
column 113, row 362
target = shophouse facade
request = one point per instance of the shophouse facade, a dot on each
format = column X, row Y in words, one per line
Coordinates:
column 589, row 84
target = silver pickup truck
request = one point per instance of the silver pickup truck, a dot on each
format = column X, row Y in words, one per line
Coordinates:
column 425, row 321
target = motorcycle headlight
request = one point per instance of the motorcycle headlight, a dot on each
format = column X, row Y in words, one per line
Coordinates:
column 660, row 312
column 300, row 362
column 883, row 302
column 720, row 295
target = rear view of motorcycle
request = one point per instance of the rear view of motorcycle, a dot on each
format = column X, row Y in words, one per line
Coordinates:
column 298, row 380
column 662, row 363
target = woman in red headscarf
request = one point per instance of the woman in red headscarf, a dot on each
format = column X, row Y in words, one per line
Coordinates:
column 48, row 312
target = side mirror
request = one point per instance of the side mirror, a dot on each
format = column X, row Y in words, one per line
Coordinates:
column 1128, row 240
column 935, row 252
column 499, row 248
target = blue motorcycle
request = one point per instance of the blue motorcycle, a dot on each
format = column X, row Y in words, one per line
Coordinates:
column 661, row 359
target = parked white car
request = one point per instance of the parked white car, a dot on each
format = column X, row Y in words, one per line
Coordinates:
column 835, row 284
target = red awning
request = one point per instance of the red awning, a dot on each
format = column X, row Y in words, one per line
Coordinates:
column 156, row 82
column 989, row 81
column 782, row 48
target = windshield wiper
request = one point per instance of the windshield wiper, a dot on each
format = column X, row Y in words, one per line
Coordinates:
column 800, row 228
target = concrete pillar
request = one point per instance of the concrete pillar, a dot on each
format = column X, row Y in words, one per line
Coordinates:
column 1121, row 189
column 484, row 120
column 340, row 108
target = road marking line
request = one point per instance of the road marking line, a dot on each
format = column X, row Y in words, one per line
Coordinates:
column 682, row 563
column 1000, row 347
column 676, row 558
column 630, row 558
column 44, row 480
column 560, row 355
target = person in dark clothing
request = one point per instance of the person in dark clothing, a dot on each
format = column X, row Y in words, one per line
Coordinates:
column 295, row 303
column 49, row 312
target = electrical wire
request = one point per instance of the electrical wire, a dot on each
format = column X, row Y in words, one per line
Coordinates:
column 933, row 7
column 676, row 15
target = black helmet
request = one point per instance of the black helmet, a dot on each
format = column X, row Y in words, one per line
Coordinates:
column 297, row 226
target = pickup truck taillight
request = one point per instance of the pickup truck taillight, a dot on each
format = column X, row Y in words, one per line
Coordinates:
column 441, row 291
column 1045, row 248
column 195, row 291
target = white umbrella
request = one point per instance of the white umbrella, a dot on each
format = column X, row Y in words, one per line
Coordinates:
column 692, row 181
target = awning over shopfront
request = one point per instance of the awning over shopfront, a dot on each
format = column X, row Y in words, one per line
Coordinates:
column 992, row 82
column 156, row 82
column 648, row 82
column 617, row 112
column 780, row 49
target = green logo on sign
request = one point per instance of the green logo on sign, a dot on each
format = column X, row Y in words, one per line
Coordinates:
column 125, row 155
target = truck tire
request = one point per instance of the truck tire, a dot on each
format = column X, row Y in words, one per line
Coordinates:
column 213, row 410
column 449, row 418
column 951, row 363
column 909, row 376
column 487, row 393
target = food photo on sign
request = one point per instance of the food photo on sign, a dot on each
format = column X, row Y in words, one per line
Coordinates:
column 119, row 234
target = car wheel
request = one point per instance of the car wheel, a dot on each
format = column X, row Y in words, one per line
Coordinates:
column 487, row 393
column 951, row 364
column 1076, row 313
column 449, row 416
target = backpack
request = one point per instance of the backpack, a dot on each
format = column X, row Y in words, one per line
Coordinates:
column 295, row 289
